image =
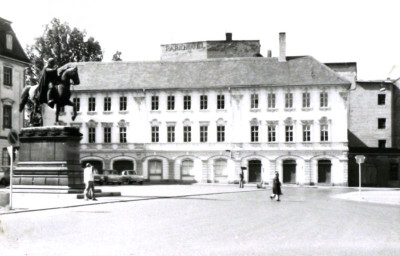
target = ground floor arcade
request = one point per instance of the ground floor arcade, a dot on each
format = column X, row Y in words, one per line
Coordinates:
column 224, row 167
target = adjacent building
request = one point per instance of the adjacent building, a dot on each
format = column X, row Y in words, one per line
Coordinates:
column 13, row 62
column 206, row 109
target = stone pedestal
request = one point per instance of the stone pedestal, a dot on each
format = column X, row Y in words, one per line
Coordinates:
column 49, row 160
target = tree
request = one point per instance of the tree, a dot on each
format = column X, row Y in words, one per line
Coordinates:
column 117, row 56
column 64, row 44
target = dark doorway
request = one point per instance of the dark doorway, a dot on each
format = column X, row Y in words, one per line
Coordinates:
column 289, row 171
column 255, row 171
column 95, row 163
column 324, row 171
column 122, row 165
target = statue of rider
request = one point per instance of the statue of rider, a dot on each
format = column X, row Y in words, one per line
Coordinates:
column 47, row 82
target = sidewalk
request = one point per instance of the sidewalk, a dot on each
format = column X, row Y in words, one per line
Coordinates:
column 23, row 202
column 391, row 197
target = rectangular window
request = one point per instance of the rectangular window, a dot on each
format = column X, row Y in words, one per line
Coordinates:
column 324, row 133
column 203, row 133
column 187, row 102
column 203, row 102
column 381, row 123
column 154, row 134
column 220, row 133
column 254, row 133
column 381, row 99
column 289, row 100
column 220, row 101
column 154, row 102
column 7, row 117
column 92, row 104
column 187, row 134
column 9, row 41
column 107, row 103
column 7, row 76
column 171, row 102
column 394, row 171
column 92, row 134
column 323, row 100
column 271, row 134
column 122, row 103
column 122, row 134
column 306, row 99
column 171, row 133
column 382, row 143
column 77, row 104
column 306, row 133
column 271, row 100
column 107, row 134
column 289, row 133
column 254, row 101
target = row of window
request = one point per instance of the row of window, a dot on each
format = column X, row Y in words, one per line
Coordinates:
column 187, row 133
column 187, row 102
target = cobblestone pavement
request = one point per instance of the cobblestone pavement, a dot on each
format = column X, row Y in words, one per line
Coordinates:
column 207, row 220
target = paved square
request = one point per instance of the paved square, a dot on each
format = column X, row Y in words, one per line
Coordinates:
column 207, row 220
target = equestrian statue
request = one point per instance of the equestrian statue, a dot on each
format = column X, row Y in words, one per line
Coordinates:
column 54, row 89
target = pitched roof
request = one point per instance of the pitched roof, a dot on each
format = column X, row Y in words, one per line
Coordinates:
column 212, row 73
column 17, row 53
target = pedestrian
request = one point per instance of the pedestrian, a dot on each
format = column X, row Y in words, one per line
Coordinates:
column 241, row 182
column 276, row 187
column 88, row 178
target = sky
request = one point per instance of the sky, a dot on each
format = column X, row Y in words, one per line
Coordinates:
column 366, row 32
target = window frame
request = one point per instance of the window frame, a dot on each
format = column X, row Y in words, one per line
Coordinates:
column 123, row 103
column 289, row 132
column 306, row 133
column 271, row 100
column 381, row 123
column 9, row 41
column 107, row 104
column 254, row 133
column 77, row 103
column 107, row 134
column 220, row 133
column 306, row 100
column 203, row 102
column 187, row 133
column 171, row 133
column 220, row 101
column 381, row 99
column 7, row 76
column 203, row 133
column 92, row 135
column 170, row 102
column 254, row 101
column 323, row 100
column 122, row 135
column 92, row 104
column 271, row 133
column 288, row 100
column 7, row 116
column 324, row 133
column 187, row 102
column 155, row 134
column 155, row 103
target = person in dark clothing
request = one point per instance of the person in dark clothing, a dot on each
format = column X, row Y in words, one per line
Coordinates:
column 276, row 187
column 241, row 182
column 47, row 81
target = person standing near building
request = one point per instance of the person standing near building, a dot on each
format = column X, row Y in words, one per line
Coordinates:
column 88, row 178
column 276, row 187
column 241, row 182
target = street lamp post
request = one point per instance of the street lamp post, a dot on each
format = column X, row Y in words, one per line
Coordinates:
column 360, row 159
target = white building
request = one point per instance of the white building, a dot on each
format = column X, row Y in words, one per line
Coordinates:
column 13, row 62
column 208, row 108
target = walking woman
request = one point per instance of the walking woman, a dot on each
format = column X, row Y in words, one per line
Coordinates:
column 276, row 187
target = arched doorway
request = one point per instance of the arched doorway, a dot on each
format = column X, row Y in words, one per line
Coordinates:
column 95, row 163
column 255, row 170
column 324, row 171
column 220, row 170
column 121, row 165
column 289, row 171
column 155, row 169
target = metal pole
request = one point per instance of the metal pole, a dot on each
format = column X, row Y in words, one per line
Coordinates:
column 11, row 174
column 359, row 178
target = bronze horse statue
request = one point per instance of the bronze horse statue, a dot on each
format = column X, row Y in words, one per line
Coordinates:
column 62, row 94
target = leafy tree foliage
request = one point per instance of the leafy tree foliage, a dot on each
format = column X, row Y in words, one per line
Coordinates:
column 64, row 44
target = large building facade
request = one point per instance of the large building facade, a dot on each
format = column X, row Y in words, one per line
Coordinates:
column 13, row 62
column 209, row 108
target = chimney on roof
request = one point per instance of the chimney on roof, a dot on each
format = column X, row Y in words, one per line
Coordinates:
column 282, row 47
column 228, row 37
column 269, row 54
